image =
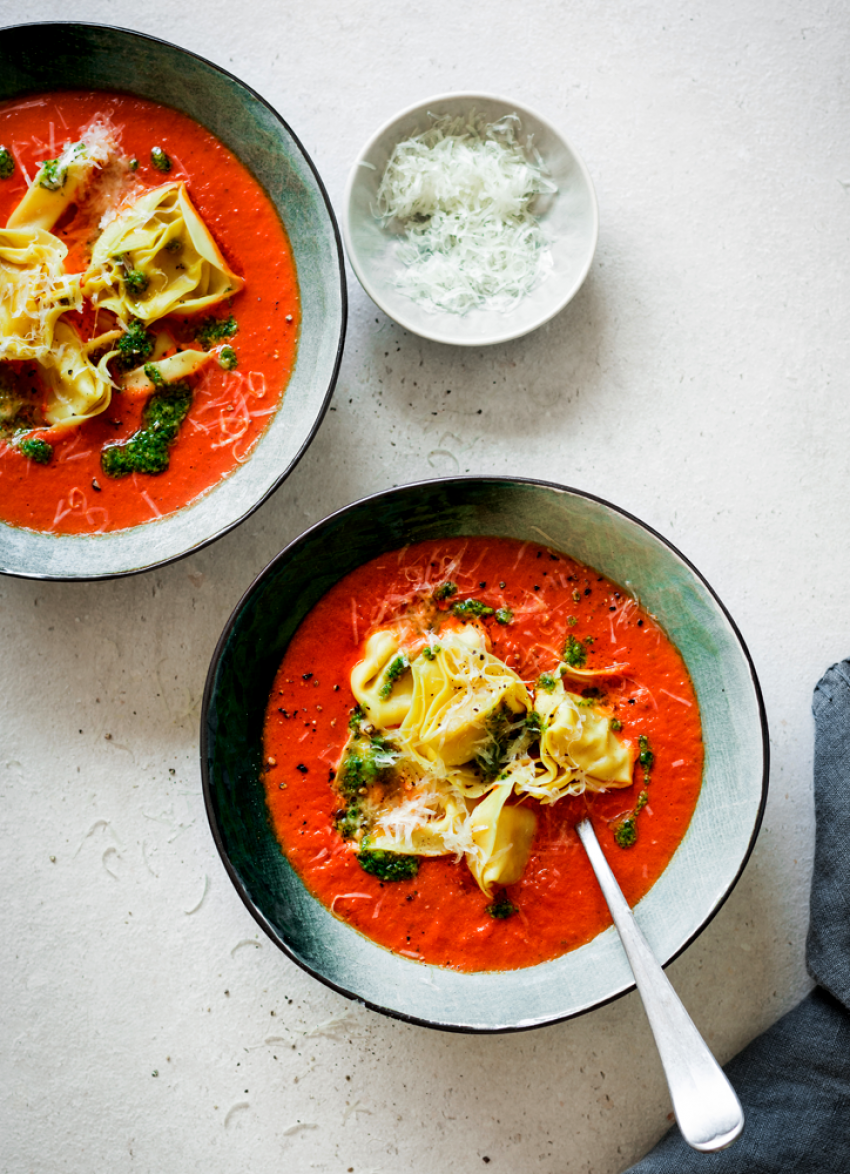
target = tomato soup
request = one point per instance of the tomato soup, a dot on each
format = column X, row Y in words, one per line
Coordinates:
column 544, row 600
column 230, row 408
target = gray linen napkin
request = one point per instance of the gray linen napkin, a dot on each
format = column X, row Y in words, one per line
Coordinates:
column 794, row 1081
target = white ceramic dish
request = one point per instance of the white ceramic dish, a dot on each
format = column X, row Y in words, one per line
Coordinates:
column 570, row 221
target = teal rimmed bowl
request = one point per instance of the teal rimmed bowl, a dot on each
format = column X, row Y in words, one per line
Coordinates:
column 703, row 870
column 53, row 56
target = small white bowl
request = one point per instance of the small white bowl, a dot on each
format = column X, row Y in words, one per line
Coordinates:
column 570, row 222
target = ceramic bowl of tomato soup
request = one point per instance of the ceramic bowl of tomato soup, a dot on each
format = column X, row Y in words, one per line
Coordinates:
column 577, row 608
column 172, row 240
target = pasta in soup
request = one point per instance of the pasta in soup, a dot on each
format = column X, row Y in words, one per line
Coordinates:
column 149, row 311
column 440, row 722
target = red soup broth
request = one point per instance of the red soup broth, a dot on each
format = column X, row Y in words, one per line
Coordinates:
column 440, row 916
column 230, row 409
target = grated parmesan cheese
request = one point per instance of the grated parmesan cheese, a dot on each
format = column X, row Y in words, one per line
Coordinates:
column 463, row 191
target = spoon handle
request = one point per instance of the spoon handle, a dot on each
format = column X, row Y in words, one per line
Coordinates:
column 706, row 1107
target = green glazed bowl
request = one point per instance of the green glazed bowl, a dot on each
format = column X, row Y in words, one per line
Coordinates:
column 37, row 57
column 703, row 870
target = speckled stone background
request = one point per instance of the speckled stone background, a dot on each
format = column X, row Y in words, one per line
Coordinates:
column 699, row 380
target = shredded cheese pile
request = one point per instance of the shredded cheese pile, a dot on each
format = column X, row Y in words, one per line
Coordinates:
column 462, row 191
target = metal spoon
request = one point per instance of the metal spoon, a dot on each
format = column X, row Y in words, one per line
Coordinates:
column 706, row 1107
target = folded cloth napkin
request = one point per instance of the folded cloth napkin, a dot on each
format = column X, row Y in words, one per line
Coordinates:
column 794, row 1081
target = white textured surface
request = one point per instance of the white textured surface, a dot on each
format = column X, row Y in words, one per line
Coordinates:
column 698, row 380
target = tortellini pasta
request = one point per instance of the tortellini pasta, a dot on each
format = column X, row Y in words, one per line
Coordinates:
column 431, row 823
column 451, row 738
column 578, row 748
column 76, row 388
column 172, row 369
column 458, row 690
column 502, row 836
column 154, row 257
column 385, row 700
column 157, row 257
column 34, row 292
column 59, row 182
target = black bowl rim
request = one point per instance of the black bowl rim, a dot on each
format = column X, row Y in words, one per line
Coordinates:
column 343, row 290
column 302, row 538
